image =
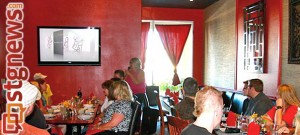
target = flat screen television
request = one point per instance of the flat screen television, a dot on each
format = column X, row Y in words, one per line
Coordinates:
column 69, row 45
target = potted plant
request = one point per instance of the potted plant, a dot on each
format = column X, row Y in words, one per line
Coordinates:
column 171, row 90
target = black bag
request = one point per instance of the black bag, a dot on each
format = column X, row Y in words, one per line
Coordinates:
column 149, row 121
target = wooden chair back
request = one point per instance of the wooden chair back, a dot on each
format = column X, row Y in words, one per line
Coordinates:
column 176, row 125
column 161, row 114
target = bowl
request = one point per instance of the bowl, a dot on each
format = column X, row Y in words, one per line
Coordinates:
column 88, row 105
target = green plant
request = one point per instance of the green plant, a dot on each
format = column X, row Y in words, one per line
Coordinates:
column 164, row 86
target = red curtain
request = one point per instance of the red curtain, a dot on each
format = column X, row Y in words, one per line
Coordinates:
column 144, row 38
column 174, row 38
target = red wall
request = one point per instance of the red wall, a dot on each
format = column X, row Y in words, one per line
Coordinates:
column 273, row 17
column 184, row 15
column 120, row 22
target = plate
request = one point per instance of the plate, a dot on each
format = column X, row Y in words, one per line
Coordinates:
column 54, row 107
column 88, row 105
column 48, row 116
column 84, row 117
column 222, row 129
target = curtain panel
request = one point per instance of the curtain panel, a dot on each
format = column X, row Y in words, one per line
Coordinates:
column 174, row 38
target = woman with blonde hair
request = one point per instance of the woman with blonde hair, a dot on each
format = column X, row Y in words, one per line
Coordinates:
column 117, row 115
column 287, row 103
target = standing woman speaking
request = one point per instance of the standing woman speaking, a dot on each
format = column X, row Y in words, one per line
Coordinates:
column 135, row 77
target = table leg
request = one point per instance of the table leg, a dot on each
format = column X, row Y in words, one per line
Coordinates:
column 69, row 130
column 78, row 129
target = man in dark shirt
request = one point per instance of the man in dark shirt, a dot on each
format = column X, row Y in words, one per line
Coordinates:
column 186, row 107
column 208, row 110
column 259, row 102
column 37, row 118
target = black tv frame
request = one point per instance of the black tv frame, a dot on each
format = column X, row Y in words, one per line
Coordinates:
column 85, row 62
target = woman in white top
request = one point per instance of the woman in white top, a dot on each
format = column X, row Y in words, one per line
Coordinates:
column 105, row 85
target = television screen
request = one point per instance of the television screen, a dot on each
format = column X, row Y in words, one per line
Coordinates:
column 69, row 45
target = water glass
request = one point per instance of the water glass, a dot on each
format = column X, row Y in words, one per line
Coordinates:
column 63, row 112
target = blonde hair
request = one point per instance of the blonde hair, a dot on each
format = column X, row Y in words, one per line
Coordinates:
column 288, row 94
column 120, row 89
column 136, row 62
column 206, row 98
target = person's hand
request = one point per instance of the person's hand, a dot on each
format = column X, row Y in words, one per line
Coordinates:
column 283, row 130
column 127, row 72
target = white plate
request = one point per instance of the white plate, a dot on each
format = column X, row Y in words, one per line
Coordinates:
column 84, row 117
column 47, row 116
column 54, row 107
column 88, row 105
column 222, row 129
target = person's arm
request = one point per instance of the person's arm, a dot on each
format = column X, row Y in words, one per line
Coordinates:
column 116, row 119
column 278, row 114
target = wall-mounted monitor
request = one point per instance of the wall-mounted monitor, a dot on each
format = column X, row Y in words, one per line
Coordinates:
column 69, row 45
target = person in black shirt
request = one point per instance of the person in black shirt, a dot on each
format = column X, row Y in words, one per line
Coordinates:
column 185, row 108
column 208, row 110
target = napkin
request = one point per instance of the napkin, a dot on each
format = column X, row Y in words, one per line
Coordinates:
column 253, row 129
column 231, row 119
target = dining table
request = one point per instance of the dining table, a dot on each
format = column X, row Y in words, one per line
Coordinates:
column 73, row 120
column 244, row 131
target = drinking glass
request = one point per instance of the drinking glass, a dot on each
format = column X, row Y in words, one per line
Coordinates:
column 63, row 112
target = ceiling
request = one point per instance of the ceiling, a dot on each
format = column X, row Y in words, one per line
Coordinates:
column 195, row 4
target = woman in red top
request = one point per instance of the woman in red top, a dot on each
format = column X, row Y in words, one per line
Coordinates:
column 286, row 107
column 135, row 77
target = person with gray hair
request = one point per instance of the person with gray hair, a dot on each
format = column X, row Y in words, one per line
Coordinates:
column 185, row 108
column 208, row 110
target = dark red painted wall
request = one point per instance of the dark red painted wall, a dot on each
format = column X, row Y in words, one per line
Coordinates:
column 120, row 22
column 195, row 15
column 273, row 18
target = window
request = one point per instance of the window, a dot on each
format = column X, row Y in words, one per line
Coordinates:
column 158, row 67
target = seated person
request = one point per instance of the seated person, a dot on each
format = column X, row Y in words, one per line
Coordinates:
column 35, row 123
column 46, row 90
column 41, row 85
column 105, row 86
column 259, row 103
column 117, row 116
column 208, row 110
column 185, row 108
column 286, row 107
column 119, row 74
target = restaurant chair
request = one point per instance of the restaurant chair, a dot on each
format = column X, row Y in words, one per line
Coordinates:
column 162, row 114
column 151, row 96
column 136, row 114
column 176, row 125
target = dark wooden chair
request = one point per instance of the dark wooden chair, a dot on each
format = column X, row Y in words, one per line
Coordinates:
column 162, row 114
column 176, row 125
column 136, row 114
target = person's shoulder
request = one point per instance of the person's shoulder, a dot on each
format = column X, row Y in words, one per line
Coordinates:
column 192, row 129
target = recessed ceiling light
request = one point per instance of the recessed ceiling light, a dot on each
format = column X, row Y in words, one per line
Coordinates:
column 191, row 0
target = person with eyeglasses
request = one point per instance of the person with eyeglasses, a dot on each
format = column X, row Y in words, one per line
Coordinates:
column 259, row 102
